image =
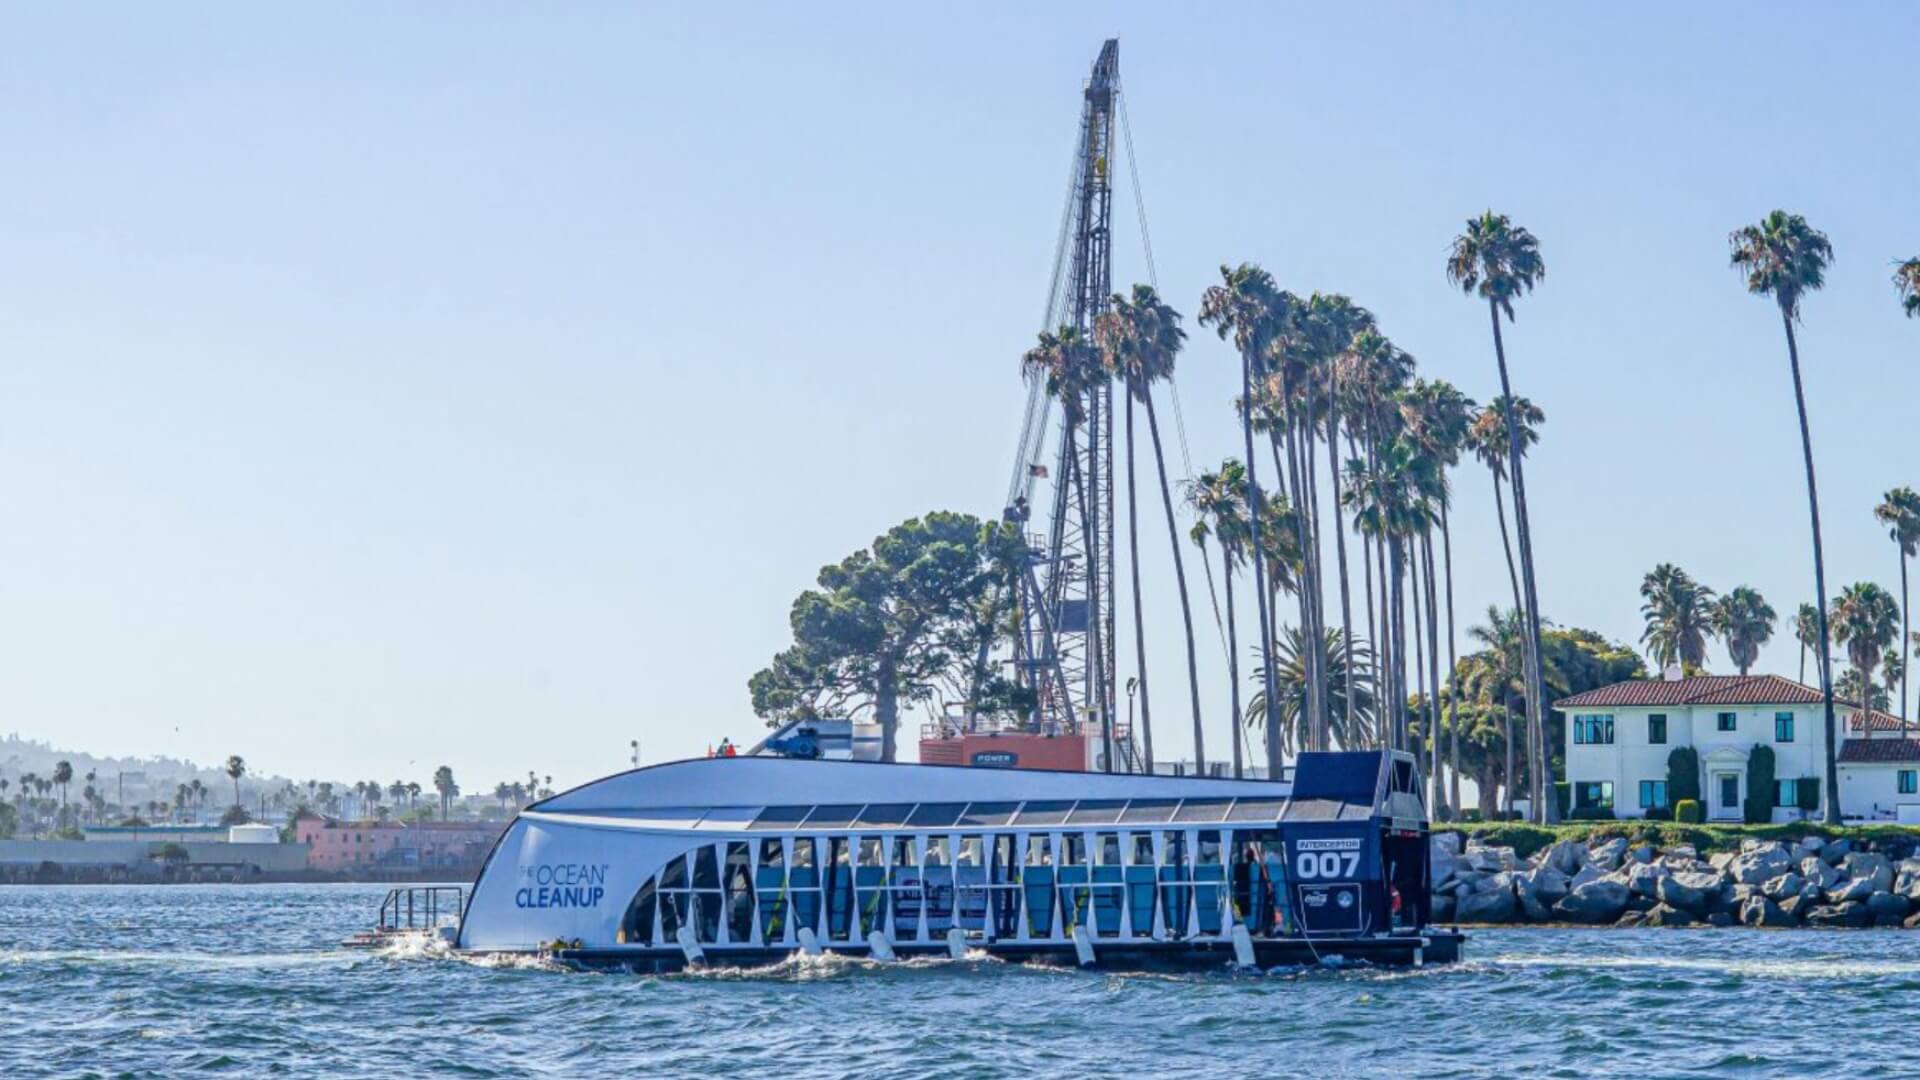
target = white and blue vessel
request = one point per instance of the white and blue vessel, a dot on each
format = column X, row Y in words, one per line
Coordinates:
column 749, row 860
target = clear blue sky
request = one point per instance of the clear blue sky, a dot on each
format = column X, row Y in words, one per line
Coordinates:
column 383, row 387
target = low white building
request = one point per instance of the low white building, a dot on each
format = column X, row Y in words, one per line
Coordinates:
column 1618, row 739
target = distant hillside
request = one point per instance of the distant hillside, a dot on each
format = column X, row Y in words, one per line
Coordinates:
column 144, row 777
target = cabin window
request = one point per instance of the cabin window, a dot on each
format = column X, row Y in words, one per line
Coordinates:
column 1783, row 727
column 770, row 881
column 637, row 927
column 739, row 880
column 1657, row 729
column 772, row 856
column 839, row 883
column 1039, row 851
column 903, row 851
column 871, row 852
column 803, row 852
column 907, row 890
column 706, row 869
column 936, row 851
column 1142, row 849
column 969, row 854
column 1109, row 849
column 1073, row 850
column 675, row 875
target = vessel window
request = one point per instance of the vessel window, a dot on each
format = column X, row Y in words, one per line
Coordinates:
column 833, row 817
column 771, row 854
column 803, row 851
column 885, row 815
column 1109, row 852
column 780, row 817
column 903, row 851
column 987, row 814
column 673, row 914
column 1203, row 810
column 1045, row 812
column 739, row 892
column 1149, row 811
column 935, row 815
column 1073, row 850
column 1039, row 851
column 871, row 852
column 707, row 911
column 936, row 851
column 1175, row 842
column 706, row 869
column 1142, row 849
column 1257, row 810
column 1096, row 812
column 675, row 875
column 1209, row 853
column 637, row 927
column 969, row 852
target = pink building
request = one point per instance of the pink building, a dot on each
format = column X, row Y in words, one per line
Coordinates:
column 346, row 845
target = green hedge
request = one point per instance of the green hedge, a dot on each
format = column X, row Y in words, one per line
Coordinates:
column 1687, row 812
column 1526, row 839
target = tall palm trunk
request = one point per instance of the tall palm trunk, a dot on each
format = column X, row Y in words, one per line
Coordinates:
column 1419, row 673
column 1397, row 629
column 1233, row 658
column 1453, row 670
column 1901, row 645
column 1832, row 814
column 1340, row 550
column 1310, row 664
column 1543, row 811
column 1255, row 504
column 1180, row 577
column 1366, row 564
column 1139, row 620
column 1439, row 803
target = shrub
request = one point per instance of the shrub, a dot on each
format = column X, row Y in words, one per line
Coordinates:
column 1759, row 805
column 1659, row 813
column 1471, row 817
column 1563, row 794
column 1687, row 812
column 1683, row 774
column 1592, row 813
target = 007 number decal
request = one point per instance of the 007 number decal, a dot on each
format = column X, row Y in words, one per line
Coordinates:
column 1326, row 864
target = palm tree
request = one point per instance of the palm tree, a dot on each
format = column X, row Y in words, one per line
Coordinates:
column 1850, row 687
column 443, row 783
column 1438, row 417
column 1900, row 513
column 1500, row 677
column 1906, row 278
column 1679, row 616
column 62, row 778
column 1074, row 376
column 1216, row 498
column 236, row 768
column 1744, row 620
column 413, row 793
column 1352, row 726
column 1500, row 261
column 1248, row 306
column 1139, row 338
column 1867, row 622
column 1785, row 258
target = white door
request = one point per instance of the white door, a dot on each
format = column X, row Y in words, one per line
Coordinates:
column 1726, row 795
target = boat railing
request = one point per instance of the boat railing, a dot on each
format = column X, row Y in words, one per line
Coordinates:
column 421, row 907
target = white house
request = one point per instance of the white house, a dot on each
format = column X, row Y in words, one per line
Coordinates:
column 1619, row 736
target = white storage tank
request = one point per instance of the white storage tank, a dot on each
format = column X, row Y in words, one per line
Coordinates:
column 253, row 834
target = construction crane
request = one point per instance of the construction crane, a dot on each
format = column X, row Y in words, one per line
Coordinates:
column 1064, row 647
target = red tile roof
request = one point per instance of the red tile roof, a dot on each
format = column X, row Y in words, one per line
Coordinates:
column 1878, row 751
column 1879, row 720
column 1697, row 690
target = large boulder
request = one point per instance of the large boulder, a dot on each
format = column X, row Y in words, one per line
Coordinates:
column 1630, row 919
column 1594, row 902
column 1564, row 856
column 1667, row 915
column 1760, row 862
column 1607, row 854
column 1450, row 843
column 1779, row 888
column 1834, row 850
column 1720, row 918
column 1492, row 906
column 1643, row 879
column 1811, row 845
column 1815, row 869
column 1871, row 865
column 1760, row 911
column 1797, row 907
column 1443, row 907
column 1849, row 914
column 1532, row 910
column 1490, row 859
column 1912, row 921
column 1852, row 889
column 1543, row 883
column 1720, row 860
column 1641, row 853
column 1688, row 890
column 1587, row 872
column 1885, row 904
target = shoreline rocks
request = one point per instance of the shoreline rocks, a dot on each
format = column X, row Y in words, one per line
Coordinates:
column 1812, row 882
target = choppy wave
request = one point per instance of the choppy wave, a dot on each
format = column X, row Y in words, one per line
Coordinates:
column 165, row 981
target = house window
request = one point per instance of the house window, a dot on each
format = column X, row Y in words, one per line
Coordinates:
column 1593, row 794
column 1909, row 781
column 1653, row 794
column 1786, row 793
column 1657, row 730
column 1593, row 730
column 1783, row 727
column 1727, row 721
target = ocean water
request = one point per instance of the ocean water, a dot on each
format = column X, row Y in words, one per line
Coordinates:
column 250, row 980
